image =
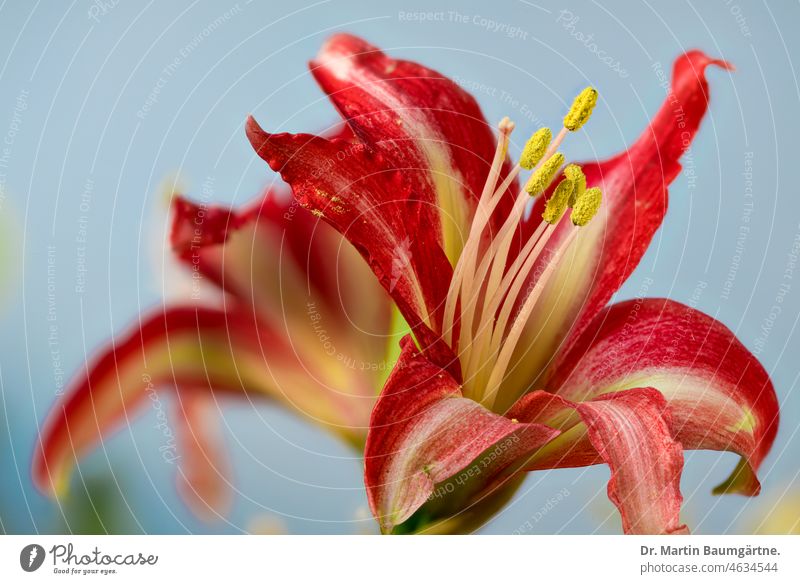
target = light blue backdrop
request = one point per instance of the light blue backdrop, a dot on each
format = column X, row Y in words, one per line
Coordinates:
column 79, row 161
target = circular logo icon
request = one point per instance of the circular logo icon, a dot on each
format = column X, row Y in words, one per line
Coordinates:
column 31, row 557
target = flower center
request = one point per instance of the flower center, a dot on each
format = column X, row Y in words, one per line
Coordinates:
column 487, row 308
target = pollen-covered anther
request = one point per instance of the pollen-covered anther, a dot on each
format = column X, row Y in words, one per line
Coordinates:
column 557, row 203
column 575, row 173
column 581, row 109
column 543, row 176
column 586, row 206
column 535, row 148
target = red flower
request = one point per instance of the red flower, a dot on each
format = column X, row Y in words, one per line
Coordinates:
column 516, row 363
column 519, row 363
column 300, row 321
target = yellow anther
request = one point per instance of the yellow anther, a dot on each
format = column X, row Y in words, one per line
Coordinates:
column 541, row 179
column 535, row 148
column 586, row 206
column 581, row 109
column 557, row 203
column 574, row 173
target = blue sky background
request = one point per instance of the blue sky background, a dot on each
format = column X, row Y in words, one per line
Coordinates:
column 74, row 75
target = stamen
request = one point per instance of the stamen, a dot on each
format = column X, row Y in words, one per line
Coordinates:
column 483, row 343
column 529, row 254
column 476, row 282
column 535, row 148
column 543, row 176
column 495, row 258
column 581, row 109
column 575, row 173
column 557, row 203
column 488, row 295
column 586, row 207
column 511, row 340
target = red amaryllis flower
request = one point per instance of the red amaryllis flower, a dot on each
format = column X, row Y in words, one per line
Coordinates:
column 300, row 321
column 517, row 362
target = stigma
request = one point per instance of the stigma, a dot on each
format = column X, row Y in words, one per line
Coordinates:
column 488, row 302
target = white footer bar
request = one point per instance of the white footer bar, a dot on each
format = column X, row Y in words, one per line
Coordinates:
column 356, row 559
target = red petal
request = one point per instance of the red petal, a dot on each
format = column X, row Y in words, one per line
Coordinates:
column 182, row 345
column 301, row 279
column 283, row 264
column 634, row 185
column 203, row 480
column 631, row 431
column 193, row 349
column 234, row 246
column 354, row 190
column 423, row 432
column 421, row 121
column 720, row 396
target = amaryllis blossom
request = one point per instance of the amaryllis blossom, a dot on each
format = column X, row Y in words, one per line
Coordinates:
column 517, row 360
column 299, row 320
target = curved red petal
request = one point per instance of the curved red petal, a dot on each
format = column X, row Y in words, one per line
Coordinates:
column 204, row 469
column 187, row 346
column 297, row 275
column 720, row 396
column 634, row 185
column 263, row 255
column 367, row 201
column 189, row 349
column 423, row 432
column 632, row 432
column 421, row 121
column 255, row 234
